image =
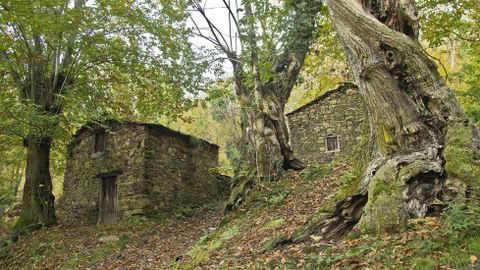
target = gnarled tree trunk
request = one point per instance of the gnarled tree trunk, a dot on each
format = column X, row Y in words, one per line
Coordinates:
column 38, row 200
column 412, row 111
column 266, row 128
column 425, row 151
column 265, row 140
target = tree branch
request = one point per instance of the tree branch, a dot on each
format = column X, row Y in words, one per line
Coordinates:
column 213, row 29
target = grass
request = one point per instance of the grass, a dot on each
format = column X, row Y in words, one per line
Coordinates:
column 209, row 243
column 274, row 224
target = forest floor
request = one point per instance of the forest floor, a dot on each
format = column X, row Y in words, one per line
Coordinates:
column 205, row 238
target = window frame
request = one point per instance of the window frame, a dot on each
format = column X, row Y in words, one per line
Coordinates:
column 94, row 143
column 338, row 149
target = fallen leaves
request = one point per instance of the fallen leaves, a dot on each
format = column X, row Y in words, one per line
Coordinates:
column 150, row 245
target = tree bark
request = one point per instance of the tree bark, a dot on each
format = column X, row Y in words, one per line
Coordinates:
column 264, row 103
column 265, row 134
column 411, row 109
column 38, row 199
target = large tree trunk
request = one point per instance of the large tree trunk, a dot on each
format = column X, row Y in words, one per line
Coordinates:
column 267, row 135
column 412, row 111
column 38, row 199
column 265, row 141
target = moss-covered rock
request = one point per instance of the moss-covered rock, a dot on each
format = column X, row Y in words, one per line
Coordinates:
column 385, row 210
column 387, row 214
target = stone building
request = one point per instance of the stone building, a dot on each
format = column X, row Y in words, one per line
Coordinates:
column 329, row 126
column 116, row 170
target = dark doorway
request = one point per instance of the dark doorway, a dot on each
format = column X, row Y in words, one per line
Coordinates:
column 108, row 200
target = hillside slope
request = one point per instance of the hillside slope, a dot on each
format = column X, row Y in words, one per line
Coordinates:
column 204, row 238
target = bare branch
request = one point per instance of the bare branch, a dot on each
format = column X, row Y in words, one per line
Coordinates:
column 213, row 29
column 232, row 16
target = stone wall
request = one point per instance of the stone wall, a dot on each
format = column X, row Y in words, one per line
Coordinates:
column 178, row 170
column 339, row 112
column 156, row 168
column 84, row 171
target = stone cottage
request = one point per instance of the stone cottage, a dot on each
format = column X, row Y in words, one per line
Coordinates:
column 116, row 170
column 329, row 126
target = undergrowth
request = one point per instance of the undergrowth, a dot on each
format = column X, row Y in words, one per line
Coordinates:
column 207, row 244
column 451, row 241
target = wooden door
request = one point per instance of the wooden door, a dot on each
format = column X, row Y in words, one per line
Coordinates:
column 108, row 200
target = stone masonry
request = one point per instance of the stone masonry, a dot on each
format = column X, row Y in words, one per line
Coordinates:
column 156, row 169
column 335, row 118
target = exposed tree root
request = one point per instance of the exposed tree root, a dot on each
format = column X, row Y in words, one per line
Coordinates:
column 239, row 192
column 327, row 226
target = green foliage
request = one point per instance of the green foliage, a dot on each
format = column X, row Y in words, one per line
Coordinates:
column 214, row 120
column 446, row 22
column 443, row 20
column 470, row 75
column 276, row 199
column 184, row 212
column 461, row 220
column 325, row 66
column 130, row 57
column 66, row 63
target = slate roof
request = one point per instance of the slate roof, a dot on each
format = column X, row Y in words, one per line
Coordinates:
column 340, row 88
column 111, row 123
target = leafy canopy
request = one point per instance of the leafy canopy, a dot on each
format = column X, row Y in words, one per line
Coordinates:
column 110, row 58
column 444, row 21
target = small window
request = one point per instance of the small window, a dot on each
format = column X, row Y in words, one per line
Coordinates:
column 99, row 142
column 332, row 144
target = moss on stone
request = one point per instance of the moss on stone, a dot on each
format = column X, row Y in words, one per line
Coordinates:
column 382, row 188
column 385, row 210
column 386, row 213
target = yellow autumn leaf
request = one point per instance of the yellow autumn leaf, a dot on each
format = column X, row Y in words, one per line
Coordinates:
column 473, row 259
